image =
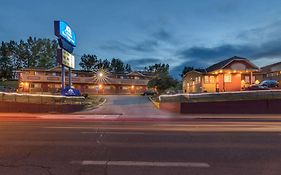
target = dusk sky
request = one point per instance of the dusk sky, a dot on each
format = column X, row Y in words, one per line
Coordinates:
column 143, row 32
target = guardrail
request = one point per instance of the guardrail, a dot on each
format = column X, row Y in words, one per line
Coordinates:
column 40, row 99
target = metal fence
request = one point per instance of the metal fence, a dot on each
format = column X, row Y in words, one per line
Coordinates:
column 40, row 99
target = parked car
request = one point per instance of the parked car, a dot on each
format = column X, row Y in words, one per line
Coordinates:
column 149, row 92
column 256, row 87
column 269, row 83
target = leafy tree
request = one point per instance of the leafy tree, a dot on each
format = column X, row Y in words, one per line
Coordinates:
column 104, row 64
column 128, row 68
column 157, row 68
column 91, row 62
column 47, row 53
column 6, row 67
column 162, row 79
column 88, row 62
column 117, row 65
column 162, row 82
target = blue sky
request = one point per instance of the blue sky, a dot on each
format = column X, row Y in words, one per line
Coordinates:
column 142, row 32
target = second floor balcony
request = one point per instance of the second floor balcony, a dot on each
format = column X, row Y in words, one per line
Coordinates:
column 82, row 80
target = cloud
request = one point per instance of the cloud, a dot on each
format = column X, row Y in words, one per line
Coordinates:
column 261, row 34
column 142, row 62
column 114, row 46
column 263, row 53
column 143, row 46
column 162, row 35
column 177, row 70
column 268, row 49
column 215, row 53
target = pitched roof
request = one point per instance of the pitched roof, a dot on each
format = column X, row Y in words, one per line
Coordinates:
column 222, row 64
column 268, row 67
column 135, row 73
column 199, row 71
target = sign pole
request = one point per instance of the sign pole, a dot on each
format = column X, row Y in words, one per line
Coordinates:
column 67, row 42
column 62, row 76
column 69, row 78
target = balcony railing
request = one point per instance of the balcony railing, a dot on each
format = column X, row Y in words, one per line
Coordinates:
column 86, row 80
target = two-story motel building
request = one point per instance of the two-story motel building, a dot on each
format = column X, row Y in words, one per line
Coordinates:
column 49, row 81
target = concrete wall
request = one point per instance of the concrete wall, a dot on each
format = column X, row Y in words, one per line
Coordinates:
column 171, row 107
column 252, row 102
column 226, row 107
column 39, row 108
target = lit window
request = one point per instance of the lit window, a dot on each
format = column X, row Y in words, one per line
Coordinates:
column 227, row 78
column 37, row 85
column 206, row 78
column 253, row 78
column 212, row 79
column 247, row 79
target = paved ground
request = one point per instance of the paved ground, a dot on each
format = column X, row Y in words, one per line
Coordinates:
column 129, row 136
column 129, row 105
column 139, row 148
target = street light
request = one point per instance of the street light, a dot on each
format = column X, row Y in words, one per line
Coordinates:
column 100, row 74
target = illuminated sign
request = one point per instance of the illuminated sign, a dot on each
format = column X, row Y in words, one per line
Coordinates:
column 63, row 30
column 66, row 58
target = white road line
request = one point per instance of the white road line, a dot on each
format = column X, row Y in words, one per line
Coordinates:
column 58, row 116
column 121, row 133
column 142, row 163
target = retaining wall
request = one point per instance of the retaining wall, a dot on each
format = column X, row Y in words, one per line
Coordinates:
column 39, row 108
column 31, row 103
column 259, row 102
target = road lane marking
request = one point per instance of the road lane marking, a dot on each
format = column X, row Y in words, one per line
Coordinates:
column 144, row 163
column 95, row 116
column 117, row 132
column 187, row 128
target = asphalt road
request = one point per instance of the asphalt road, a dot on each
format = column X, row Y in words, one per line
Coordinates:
column 60, row 147
column 128, row 136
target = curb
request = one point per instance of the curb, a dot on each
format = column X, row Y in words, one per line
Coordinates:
column 99, row 105
column 95, row 107
column 156, row 104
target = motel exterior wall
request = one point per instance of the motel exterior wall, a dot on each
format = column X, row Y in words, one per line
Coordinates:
column 49, row 82
column 271, row 72
column 192, row 82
